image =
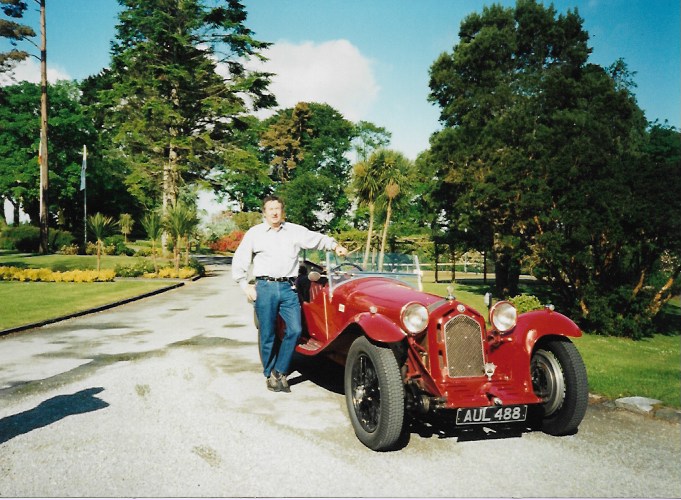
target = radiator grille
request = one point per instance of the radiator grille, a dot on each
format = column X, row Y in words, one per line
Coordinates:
column 463, row 345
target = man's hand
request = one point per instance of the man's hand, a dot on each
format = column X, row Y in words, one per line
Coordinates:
column 341, row 251
column 251, row 293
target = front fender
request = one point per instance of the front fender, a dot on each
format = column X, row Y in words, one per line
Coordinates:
column 542, row 323
column 380, row 328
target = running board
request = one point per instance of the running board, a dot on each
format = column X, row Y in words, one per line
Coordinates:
column 312, row 346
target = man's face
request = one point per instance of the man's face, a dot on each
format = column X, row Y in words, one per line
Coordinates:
column 274, row 213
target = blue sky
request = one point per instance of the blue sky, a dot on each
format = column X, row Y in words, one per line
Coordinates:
column 370, row 58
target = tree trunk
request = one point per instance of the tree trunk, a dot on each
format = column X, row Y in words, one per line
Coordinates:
column 369, row 234
column 44, row 223
column 384, row 238
column 507, row 275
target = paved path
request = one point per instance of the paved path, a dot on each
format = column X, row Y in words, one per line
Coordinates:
column 164, row 398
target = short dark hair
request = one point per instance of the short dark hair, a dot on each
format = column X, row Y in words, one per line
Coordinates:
column 272, row 197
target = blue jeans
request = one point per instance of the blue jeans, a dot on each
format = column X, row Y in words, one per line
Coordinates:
column 277, row 298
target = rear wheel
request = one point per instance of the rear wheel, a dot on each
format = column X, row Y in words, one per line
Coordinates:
column 559, row 379
column 374, row 394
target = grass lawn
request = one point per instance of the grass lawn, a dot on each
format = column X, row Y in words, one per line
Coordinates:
column 23, row 303
column 620, row 367
column 69, row 262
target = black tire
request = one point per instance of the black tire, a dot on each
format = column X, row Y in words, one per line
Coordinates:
column 374, row 394
column 559, row 378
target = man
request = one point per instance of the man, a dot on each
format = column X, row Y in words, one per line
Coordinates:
column 273, row 247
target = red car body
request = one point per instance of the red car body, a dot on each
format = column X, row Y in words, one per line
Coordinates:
column 457, row 362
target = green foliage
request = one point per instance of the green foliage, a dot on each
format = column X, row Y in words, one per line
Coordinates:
column 220, row 225
column 14, row 32
column 246, row 220
column 524, row 303
column 125, row 223
column 543, row 155
column 180, row 221
column 99, row 226
column 23, row 238
column 306, row 147
column 135, row 269
column 117, row 242
column 172, row 114
column 19, row 138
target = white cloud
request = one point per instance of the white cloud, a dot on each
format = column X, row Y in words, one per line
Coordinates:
column 29, row 70
column 333, row 72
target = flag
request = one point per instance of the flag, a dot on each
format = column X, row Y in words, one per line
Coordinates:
column 83, row 168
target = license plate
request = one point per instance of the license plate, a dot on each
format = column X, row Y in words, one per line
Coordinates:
column 491, row 415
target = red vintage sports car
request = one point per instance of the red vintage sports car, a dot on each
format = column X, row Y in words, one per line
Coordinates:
column 407, row 352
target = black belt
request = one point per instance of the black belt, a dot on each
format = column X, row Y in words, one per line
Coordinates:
column 270, row 278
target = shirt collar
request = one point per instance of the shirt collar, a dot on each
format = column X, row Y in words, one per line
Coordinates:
column 281, row 227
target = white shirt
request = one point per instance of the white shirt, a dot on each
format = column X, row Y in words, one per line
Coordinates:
column 274, row 253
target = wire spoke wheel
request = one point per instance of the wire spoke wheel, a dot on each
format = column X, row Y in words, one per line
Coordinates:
column 559, row 379
column 366, row 394
column 374, row 394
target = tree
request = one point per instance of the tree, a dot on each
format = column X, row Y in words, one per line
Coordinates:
column 367, row 188
column 180, row 220
column 18, row 33
column 369, row 138
column 393, row 169
column 153, row 226
column 544, row 151
column 15, row 33
column 171, row 111
column 316, row 177
column 100, row 226
column 244, row 176
column 19, row 143
column 125, row 223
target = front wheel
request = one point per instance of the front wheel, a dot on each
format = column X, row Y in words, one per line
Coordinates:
column 374, row 394
column 559, row 379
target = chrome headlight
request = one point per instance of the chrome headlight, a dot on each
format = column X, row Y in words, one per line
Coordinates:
column 503, row 316
column 414, row 317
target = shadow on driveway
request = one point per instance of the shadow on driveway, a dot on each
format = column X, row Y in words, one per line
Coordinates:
column 51, row 411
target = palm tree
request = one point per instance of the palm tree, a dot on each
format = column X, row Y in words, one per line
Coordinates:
column 99, row 225
column 180, row 221
column 395, row 167
column 125, row 224
column 153, row 226
column 367, row 188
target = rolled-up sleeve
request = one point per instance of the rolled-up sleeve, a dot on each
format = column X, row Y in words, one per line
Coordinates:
column 311, row 240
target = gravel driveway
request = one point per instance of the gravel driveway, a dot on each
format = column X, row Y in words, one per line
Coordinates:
column 164, row 397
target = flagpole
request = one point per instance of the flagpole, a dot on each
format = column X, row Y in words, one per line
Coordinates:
column 83, row 187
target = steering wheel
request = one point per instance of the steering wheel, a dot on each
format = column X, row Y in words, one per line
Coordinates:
column 343, row 265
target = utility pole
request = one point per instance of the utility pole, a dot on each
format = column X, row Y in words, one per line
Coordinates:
column 44, row 223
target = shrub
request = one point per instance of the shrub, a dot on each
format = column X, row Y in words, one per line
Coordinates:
column 169, row 272
column 229, row 242
column 246, row 220
column 143, row 252
column 134, row 270
column 524, row 303
column 69, row 250
column 58, row 238
column 47, row 275
column 118, row 246
column 91, row 249
column 23, row 238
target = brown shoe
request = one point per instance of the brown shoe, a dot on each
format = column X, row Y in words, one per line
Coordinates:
column 283, row 383
column 273, row 383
